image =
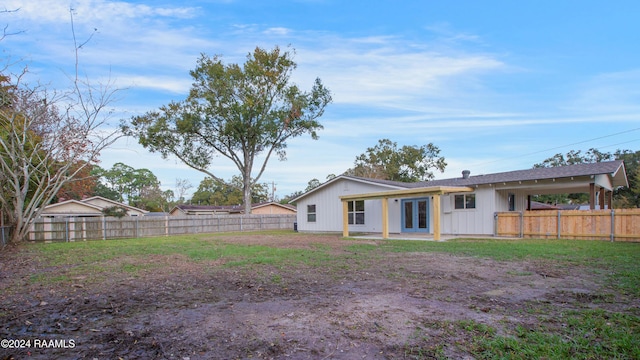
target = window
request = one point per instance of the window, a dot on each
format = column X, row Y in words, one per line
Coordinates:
column 466, row 201
column 512, row 202
column 311, row 213
column 356, row 212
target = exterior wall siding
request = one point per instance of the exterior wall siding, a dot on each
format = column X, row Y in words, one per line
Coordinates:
column 502, row 200
column 478, row 221
column 329, row 208
column 71, row 209
column 490, row 199
column 272, row 209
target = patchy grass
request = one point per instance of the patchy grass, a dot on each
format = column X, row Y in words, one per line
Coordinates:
column 589, row 334
column 583, row 331
column 618, row 260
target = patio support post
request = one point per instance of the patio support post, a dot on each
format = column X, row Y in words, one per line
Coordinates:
column 345, row 219
column 384, row 196
column 385, row 218
column 601, row 198
column 592, row 196
column 436, row 217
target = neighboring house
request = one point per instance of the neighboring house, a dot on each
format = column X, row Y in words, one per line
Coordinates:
column 185, row 209
column 535, row 205
column 260, row 208
column 464, row 205
column 89, row 207
column 268, row 208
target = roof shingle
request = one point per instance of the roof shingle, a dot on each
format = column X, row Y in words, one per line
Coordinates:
column 600, row 168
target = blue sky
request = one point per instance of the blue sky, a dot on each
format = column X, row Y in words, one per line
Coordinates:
column 496, row 85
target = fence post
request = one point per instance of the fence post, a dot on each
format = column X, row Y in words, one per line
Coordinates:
column 104, row 228
column 84, row 229
column 613, row 225
column 521, row 224
column 137, row 228
column 559, row 224
column 166, row 225
column 66, row 229
column 495, row 223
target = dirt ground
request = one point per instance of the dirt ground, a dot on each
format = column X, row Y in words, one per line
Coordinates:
column 398, row 306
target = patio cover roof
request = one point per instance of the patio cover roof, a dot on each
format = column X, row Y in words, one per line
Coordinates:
column 434, row 191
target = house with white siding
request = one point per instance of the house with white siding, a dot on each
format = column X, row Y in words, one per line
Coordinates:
column 459, row 206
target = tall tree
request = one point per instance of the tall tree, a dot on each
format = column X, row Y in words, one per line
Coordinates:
column 575, row 157
column 82, row 185
column 312, row 184
column 213, row 192
column 138, row 187
column 47, row 139
column 239, row 112
column 408, row 164
column 625, row 197
column 182, row 186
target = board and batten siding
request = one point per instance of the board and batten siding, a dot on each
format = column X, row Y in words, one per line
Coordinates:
column 502, row 200
column 478, row 221
column 329, row 208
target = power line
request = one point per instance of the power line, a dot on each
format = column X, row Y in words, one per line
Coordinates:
column 564, row 146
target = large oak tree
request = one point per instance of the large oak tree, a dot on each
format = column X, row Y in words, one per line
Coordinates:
column 239, row 112
column 408, row 164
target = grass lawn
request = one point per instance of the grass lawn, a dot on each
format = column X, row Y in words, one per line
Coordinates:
column 595, row 325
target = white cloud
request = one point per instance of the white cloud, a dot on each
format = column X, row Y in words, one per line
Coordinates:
column 384, row 86
column 174, row 85
column 91, row 11
column 610, row 93
column 277, row 31
column 390, row 72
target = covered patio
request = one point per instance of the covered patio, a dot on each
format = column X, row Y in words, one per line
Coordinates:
column 384, row 196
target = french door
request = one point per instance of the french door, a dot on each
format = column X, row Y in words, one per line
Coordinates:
column 415, row 215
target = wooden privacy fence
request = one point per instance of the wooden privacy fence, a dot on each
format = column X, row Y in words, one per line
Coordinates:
column 106, row 228
column 613, row 225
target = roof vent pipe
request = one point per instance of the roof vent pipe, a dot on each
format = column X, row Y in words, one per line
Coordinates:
column 465, row 174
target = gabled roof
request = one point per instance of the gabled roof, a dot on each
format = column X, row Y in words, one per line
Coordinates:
column 211, row 208
column 231, row 209
column 615, row 169
column 66, row 203
column 263, row 204
column 392, row 185
column 93, row 205
column 93, row 199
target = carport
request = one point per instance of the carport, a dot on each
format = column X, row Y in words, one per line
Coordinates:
column 384, row 196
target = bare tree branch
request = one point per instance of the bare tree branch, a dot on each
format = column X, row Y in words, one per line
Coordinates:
column 5, row 29
column 46, row 139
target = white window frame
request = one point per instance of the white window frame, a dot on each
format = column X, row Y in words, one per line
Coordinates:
column 312, row 216
column 465, row 201
column 353, row 212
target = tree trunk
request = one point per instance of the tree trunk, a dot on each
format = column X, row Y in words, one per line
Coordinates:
column 246, row 188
